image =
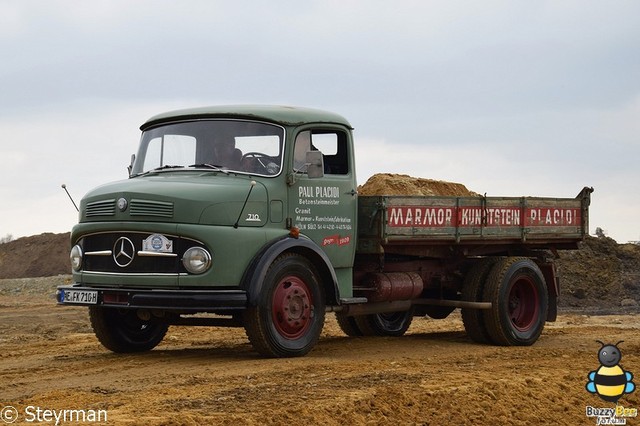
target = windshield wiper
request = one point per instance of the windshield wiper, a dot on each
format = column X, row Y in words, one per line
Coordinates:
column 210, row 166
column 167, row 166
column 157, row 169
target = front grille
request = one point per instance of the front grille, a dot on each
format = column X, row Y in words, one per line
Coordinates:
column 151, row 208
column 101, row 254
column 101, row 208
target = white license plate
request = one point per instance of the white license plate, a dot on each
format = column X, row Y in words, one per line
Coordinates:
column 80, row 296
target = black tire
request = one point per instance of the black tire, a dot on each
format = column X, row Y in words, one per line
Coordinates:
column 289, row 315
column 518, row 291
column 387, row 324
column 348, row 325
column 120, row 330
column 473, row 291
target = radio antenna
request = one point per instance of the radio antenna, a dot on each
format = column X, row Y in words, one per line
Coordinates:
column 253, row 183
column 74, row 203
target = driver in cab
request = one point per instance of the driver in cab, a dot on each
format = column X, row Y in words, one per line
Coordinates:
column 226, row 154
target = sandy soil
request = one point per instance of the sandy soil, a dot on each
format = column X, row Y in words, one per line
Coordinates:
column 396, row 184
column 433, row 375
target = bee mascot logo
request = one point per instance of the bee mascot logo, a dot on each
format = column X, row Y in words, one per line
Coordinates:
column 610, row 381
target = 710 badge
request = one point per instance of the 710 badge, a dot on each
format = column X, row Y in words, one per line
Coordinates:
column 80, row 296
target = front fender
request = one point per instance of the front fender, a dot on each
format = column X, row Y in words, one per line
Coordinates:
column 253, row 278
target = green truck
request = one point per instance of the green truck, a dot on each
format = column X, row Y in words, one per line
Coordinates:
column 249, row 216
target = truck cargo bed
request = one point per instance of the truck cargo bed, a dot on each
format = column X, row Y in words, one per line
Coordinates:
column 437, row 220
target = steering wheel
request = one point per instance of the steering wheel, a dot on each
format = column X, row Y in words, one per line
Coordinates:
column 261, row 161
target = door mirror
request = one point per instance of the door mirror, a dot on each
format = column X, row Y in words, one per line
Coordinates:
column 130, row 166
column 315, row 164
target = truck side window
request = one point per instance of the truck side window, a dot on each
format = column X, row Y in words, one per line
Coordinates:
column 332, row 144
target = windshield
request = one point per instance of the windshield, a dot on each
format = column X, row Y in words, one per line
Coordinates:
column 228, row 145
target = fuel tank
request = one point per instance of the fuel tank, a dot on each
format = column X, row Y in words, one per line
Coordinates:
column 388, row 286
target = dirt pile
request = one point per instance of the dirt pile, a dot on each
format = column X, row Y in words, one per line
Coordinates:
column 41, row 255
column 394, row 184
column 602, row 275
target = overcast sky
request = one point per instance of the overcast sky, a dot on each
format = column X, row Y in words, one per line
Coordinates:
column 510, row 98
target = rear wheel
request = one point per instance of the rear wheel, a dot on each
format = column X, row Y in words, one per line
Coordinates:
column 387, row 324
column 518, row 292
column 289, row 315
column 472, row 291
column 121, row 330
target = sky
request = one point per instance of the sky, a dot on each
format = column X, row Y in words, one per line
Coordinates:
column 510, row 98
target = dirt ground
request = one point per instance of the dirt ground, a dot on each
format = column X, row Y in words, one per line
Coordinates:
column 434, row 375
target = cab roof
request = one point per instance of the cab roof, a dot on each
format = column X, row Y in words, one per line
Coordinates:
column 283, row 115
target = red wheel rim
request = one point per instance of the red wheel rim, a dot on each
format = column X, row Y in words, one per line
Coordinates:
column 523, row 304
column 292, row 307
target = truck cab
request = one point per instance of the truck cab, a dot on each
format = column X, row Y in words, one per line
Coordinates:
column 220, row 203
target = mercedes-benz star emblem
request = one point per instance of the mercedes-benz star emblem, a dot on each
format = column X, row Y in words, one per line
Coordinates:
column 123, row 252
column 122, row 204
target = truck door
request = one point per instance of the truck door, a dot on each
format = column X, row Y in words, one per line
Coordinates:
column 324, row 209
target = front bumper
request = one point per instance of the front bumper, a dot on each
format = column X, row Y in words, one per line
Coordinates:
column 166, row 300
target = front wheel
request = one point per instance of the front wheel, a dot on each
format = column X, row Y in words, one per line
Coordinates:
column 289, row 316
column 121, row 330
column 518, row 292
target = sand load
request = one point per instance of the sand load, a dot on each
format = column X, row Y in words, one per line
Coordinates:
column 398, row 184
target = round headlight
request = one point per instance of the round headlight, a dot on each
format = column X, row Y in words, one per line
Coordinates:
column 196, row 260
column 76, row 258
